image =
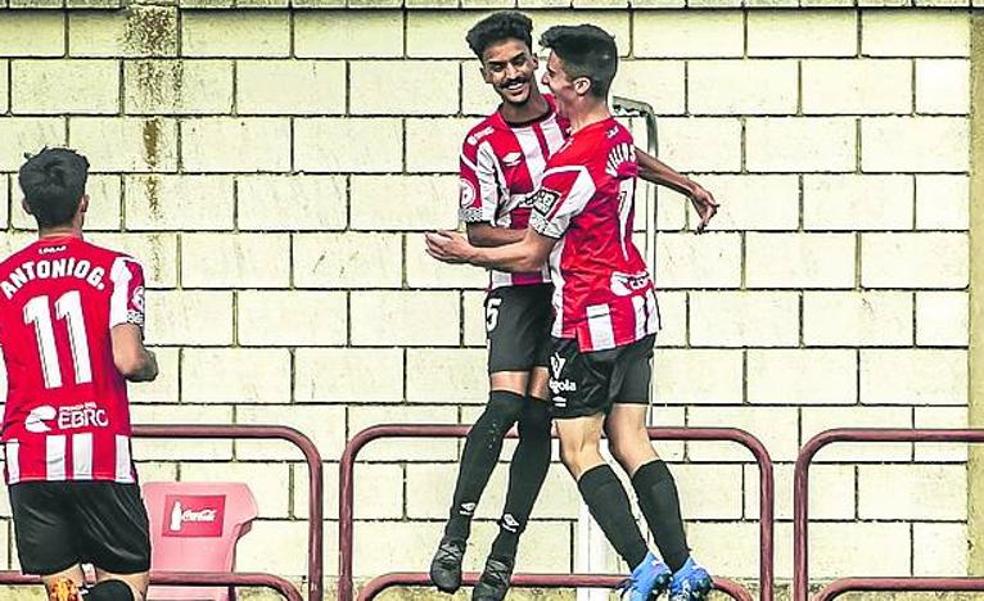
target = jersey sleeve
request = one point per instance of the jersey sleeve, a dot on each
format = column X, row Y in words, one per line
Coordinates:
column 563, row 194
column 126, row 304
column 479, row 196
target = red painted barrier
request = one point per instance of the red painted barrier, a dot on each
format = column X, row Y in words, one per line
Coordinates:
column 346, row 495
column 801, row 492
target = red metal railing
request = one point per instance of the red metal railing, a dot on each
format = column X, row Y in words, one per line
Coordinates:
column 315, row 497
column 801, row 491
column 276, row 583
column 378, row 585
column 909, row 585
column 347, row 492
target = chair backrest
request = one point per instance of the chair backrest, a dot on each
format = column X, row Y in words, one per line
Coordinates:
column 194, row 527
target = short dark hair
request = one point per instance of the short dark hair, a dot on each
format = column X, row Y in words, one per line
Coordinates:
column 587, row 51
column 53, row 182
column 497, row 27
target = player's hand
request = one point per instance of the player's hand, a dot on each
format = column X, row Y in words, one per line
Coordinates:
column 447, row 246
column 704, row 204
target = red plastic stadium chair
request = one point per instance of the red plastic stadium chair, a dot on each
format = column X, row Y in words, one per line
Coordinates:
column 194, row 527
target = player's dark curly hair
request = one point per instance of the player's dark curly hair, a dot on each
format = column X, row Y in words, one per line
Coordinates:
column 587, row 51
column 53, row 182
column 499, row 26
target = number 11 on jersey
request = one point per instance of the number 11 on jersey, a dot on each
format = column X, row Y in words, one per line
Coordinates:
column 68, row 307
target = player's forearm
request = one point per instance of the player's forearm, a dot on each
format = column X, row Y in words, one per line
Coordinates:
column 142, row 369
column 516, row 257
column 483, row 234
column 657, row 172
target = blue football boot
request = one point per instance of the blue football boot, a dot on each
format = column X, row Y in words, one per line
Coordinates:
column 690, row 583
column 648, row 579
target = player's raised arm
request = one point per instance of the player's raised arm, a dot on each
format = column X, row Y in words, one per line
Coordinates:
column 657, row 172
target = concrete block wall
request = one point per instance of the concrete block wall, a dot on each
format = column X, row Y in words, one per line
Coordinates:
column 275, row 170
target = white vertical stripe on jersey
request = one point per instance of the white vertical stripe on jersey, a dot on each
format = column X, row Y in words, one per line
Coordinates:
column 82, row 456
column 600, row 327
column 535, row 161
column 639, row 304
column 558, row 293
column 12, row 454
column 120, row 276
column 124, row 467
column 54, row 447
column 653, row 323
column 553, row 134
column 489, row 174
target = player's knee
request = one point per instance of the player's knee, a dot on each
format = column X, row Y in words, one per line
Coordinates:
column 503, row 410
column 111, row 590
column 534, row 421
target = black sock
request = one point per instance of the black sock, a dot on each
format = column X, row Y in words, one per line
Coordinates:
column 609, row 506
column 526, row 474
column 660, row 503
column 482, row 448
column 109, row 590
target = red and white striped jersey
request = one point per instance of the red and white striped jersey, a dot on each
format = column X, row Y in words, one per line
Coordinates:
column 67, row 415
column 501, row 165
column 603, row 295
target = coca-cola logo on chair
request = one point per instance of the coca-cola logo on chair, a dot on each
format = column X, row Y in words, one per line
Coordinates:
column 193, row 515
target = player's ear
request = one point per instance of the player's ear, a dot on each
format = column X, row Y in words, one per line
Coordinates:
column 582, row 85
column 84, row 204
column 27, row 207
column 486, row 77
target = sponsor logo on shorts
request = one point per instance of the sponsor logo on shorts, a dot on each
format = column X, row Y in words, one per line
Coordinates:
column 557, row 384
column 194, row 515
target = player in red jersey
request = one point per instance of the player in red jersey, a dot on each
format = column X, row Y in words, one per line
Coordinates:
column 502, row 162
column 71, row 329
column 605, row 314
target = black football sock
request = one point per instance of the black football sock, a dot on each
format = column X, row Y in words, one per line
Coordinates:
column 109, row 590
column 482, row 448
column 526, row 475
column 609, row 506
column 660, row 503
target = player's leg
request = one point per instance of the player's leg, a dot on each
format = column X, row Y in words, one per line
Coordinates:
column 507, row 397
column 527, row 471
column 45, row 537
column 529, row 347
column 655, row 487
column 579, row 383
column 599, row 486
column 115, row 538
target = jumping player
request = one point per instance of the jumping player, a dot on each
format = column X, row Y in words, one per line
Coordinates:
column 71, row 329
column 606, row 315
column 502, row 162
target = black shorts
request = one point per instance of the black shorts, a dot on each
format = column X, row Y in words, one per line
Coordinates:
column 62, row 524
column 517, row 322
column 584, row 384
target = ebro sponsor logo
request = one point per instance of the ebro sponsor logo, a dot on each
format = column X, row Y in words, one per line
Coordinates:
column 71, row 417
